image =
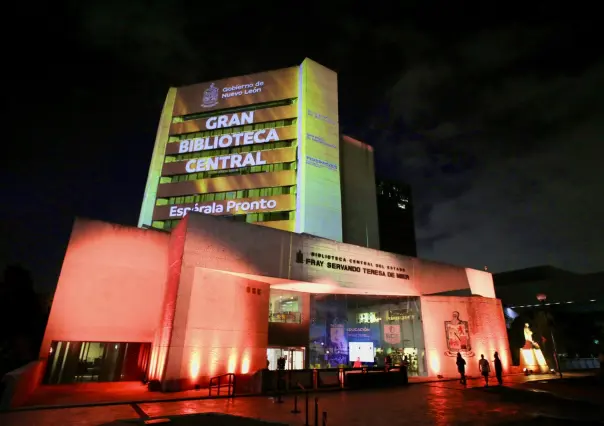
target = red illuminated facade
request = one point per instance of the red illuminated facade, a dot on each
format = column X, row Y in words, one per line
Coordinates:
column 208, row 298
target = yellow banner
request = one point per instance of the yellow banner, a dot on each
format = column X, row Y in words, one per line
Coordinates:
column 235, row 119
column 227, row 183
column 275, row 203
column 230, row 140
column 229, row 161
column 237, row 91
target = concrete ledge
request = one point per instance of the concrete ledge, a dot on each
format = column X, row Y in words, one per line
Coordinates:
column 19, row 384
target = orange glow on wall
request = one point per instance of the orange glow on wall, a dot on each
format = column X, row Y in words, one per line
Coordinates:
column 111, row 285
column 245, row 364
column 232, row 367
column 486, row 333
column 163, row 334
column 218, row 317
column 434, row 362
column 195, row 366
column 200, row 295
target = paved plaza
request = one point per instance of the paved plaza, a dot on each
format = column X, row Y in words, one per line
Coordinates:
column 520, row 401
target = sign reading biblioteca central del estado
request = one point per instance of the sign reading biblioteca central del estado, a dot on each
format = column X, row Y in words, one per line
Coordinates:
column 341, row 263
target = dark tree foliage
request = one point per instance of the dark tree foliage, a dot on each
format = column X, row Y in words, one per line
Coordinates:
column 22, row 317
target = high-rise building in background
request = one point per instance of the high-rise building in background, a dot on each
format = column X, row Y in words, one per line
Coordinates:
column 261, row 148
column 395, row 217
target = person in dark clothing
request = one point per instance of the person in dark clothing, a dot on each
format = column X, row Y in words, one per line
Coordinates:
column 388, row 362
column 485, row 369
column 461, row 367
column 498, row 369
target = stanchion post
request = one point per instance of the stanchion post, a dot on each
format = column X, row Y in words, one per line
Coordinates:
column 316, row 411
column 306, row 420
column 324, row 418
column 295, row 410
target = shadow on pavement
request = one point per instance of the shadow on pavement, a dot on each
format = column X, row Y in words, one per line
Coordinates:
column 544, row 420
column 549, row 408
column 206, row 419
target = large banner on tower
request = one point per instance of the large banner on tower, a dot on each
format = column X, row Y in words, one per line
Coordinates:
column 233, row 92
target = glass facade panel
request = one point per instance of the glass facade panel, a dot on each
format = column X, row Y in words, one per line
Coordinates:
column 372, row 329
column 72, row 362
column 285, row 306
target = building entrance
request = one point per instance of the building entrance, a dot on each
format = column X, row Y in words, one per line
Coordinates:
column 74, row 362
column 294, row 358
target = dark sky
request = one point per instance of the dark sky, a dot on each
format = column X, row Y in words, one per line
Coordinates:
column 494, row 114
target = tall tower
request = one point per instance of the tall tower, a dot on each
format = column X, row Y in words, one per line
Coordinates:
column 395, row 217
column 261, row 148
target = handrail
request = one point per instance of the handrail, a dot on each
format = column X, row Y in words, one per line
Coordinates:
column 216, row 382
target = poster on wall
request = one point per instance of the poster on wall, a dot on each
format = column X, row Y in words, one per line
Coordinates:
column 457, row 334
column 392, row 334
column 338, row 336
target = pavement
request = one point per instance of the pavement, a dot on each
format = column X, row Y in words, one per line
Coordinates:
column 79, row 394
column 522, row 400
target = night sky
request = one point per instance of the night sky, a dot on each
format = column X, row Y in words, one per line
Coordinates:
column 494, row 114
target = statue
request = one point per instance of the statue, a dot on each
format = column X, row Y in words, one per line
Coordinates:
column 528, row 338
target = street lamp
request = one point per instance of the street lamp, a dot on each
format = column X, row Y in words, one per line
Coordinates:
column 541, row 297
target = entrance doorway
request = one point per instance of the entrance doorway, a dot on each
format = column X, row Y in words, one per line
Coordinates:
column 294, row 358
column 75, row 362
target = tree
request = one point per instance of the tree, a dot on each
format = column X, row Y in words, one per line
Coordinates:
column 22, row 317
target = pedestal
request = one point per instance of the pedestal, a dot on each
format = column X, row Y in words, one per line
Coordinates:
column 533, row 360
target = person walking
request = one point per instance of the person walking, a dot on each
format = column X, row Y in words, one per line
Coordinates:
column 461, row 367
column 485, row 369
column 498, row 369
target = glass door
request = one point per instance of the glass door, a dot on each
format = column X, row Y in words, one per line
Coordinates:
column 294, row 358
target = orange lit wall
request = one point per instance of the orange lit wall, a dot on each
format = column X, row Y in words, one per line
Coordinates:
column 487, row 332
column 220, row 327
column 434, row 277
column 163, row 333
column 201, row 294
column 111, row 285
column 220, row 320
column 258, row 250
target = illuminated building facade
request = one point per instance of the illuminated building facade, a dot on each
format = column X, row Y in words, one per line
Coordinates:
column 261, row 148
column 216, row 296
column 190, row 295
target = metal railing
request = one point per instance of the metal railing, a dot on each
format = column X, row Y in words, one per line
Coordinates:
column 218, row 383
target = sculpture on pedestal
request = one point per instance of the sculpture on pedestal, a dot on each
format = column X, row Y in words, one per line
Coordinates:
column 529, row 343
column 531, row 357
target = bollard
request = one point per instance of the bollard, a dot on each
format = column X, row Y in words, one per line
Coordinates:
column 295, row 410
column 306, row 421
column 324, row 418
column 316, row 411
